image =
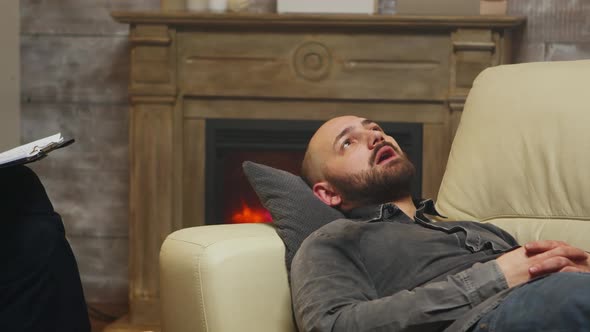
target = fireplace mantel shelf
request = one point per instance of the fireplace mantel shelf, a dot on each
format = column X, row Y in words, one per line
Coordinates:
column 188, row 18
column 189, row 68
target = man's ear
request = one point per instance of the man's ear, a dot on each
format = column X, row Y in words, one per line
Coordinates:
column 326, row 193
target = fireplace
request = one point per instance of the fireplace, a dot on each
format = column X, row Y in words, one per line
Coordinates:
column 190, row 70
column 277, row 143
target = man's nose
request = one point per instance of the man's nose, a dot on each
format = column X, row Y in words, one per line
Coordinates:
column 375, row 137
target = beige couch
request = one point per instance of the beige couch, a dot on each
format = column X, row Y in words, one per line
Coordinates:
column 521, row 156
column 520, row 160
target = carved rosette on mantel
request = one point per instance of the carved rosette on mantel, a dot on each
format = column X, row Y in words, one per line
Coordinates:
column 312, row 61
column 188, row 67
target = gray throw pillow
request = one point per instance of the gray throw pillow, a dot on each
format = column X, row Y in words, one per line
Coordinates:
column 295, row 210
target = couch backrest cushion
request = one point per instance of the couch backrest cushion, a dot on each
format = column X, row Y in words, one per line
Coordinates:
column 522, row 152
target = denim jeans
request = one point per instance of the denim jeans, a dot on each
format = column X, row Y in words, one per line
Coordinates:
column 558, row 302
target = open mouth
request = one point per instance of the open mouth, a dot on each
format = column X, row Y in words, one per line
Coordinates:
column 385, row 154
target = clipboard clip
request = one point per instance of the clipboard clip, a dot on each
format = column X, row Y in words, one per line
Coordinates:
column 50, row 147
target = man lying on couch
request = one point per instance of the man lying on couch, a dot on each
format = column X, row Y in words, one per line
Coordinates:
column 389, row 268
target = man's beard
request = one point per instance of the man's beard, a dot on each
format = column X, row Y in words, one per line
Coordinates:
column 382, row 184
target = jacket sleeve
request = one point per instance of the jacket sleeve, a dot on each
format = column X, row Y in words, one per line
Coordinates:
column 332, row 292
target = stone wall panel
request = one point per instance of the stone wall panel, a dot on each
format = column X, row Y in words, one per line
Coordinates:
column 77, row 17
column 74, row 69
column 554, row 20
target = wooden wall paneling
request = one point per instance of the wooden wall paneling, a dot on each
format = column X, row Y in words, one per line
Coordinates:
column 77, row 17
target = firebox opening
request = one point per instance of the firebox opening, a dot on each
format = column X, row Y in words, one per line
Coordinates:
column 241, row 204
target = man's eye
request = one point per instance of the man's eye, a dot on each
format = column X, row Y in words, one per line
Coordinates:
column 346, row 143
column 377, row 128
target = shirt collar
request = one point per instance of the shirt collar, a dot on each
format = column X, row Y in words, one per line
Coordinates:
column 379, row 212
column 426, row 206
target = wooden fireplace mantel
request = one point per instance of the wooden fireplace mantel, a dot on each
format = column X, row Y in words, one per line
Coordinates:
column 187, row 18
column 188, row 67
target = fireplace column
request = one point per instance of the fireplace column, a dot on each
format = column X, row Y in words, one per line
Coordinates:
column 154, row 129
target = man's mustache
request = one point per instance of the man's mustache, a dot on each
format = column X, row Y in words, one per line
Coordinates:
column 379, row 147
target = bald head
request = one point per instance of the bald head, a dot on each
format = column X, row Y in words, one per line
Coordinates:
column 351, row 162
column 313, row 167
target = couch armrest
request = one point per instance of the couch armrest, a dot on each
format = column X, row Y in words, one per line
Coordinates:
column 225, row 278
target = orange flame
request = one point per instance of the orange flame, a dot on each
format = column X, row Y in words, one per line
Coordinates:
column 248, row 215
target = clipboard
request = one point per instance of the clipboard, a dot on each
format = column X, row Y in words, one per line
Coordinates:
column 39, row 154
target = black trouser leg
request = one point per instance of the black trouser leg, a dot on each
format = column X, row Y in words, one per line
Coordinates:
column 40, row 288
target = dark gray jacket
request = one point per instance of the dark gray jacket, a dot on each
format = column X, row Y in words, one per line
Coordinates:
column 383, row 271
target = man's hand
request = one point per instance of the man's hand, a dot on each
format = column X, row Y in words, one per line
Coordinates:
column 542, row 257
column 557, row 256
